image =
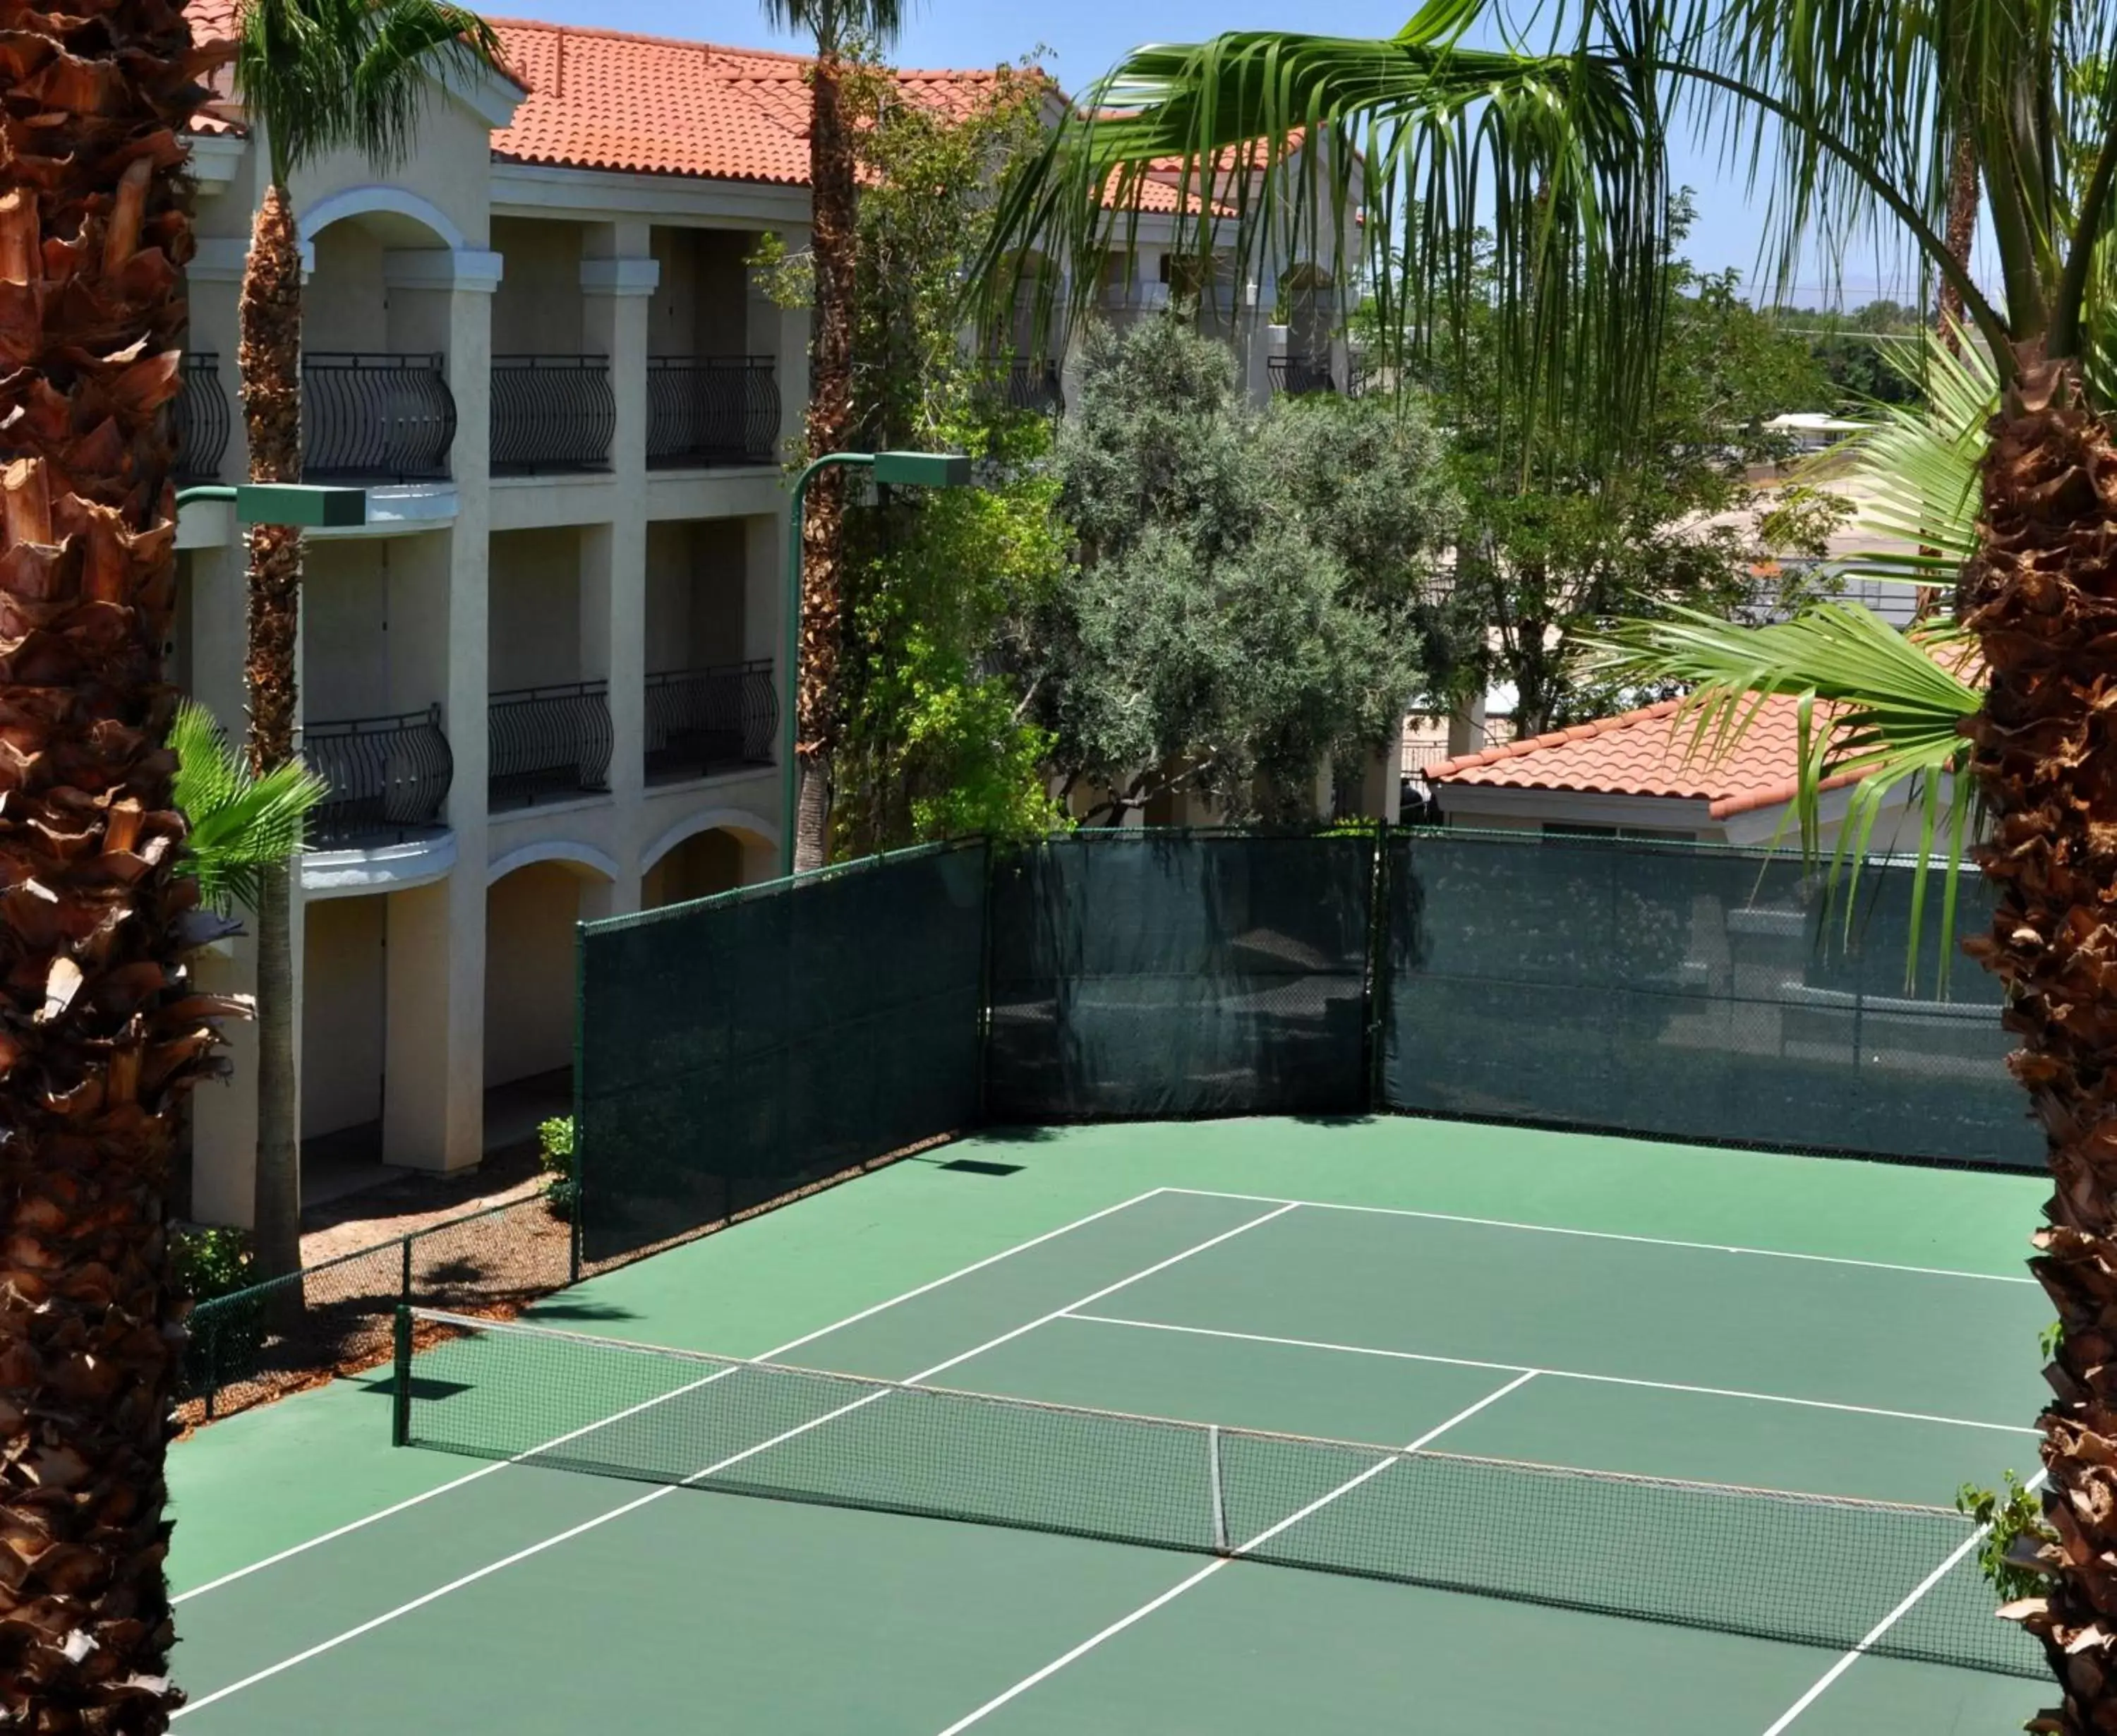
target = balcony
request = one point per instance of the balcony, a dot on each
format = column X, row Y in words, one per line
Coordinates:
column 376, row 418
column 1034, row 386
column 549, row 744
column 1297, row 377
column 703, row 720
column 199, row 419
column 551, row 414
column 389, row 777
column 708, row 410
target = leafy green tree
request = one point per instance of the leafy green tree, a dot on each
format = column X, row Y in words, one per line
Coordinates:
column 932, row 739
column 314, row 76
column 1562, row 537
column 1865, row 114
column 1854, row 352
column 840, row 30
column 1244, row 610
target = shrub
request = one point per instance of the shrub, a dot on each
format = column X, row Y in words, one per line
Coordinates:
column 554, row 1155
column 211, row 1264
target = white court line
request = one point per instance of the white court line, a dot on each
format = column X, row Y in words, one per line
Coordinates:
column 652, row 1495
column 1609, row 1380
column 1613, row 1235
column 1823, row 1683
column 1211, row 1567
column 560, row 1440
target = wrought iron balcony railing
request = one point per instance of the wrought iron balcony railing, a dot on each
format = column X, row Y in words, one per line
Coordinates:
column 1298, row 375
column 552, row 413
column 702, row 720
column 389, row 777
column 199, row 419
column 703, row 410
column 1034, row 385
column 548, row 743
column 376, row 418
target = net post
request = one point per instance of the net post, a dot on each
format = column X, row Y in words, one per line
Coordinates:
column 1213, row 1477
column 400, row 1387
column 404, row 1273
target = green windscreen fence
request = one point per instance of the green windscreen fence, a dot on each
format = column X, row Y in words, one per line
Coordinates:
column 1145, row 974
column 1716, row 995
column 731, row 1050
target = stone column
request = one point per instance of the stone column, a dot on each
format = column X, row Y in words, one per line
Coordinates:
column 618, row 275
column 433, row 1109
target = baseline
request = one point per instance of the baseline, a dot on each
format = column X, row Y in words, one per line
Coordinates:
column 777, row 1350
column 1614, row 1236
column 1520, row 1367
column 1215, row 1566
column 653, row 1495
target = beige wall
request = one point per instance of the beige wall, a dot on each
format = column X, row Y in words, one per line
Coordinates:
column 696, row 582
column 345, row 631
column 529, row 920
column 535, row 613
column 704, row 863
column 343, row 304
column 701, row 307
column 451, row 167
column 341, row 1014
column 536, row 309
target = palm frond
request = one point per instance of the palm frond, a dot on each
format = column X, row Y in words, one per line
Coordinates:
column 329, row 75
column 1268, row 143
column 1879, row 711
column 238, row 824
column 1917, row 467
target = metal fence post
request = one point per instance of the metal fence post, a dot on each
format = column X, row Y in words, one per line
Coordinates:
column 404, row 1270
column 400, row 1388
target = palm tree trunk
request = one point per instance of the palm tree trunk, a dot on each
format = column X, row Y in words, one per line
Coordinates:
column 1961, row 235
column 2038, row 597
column 270, row 360
column 833, row 244
column 101, row 1034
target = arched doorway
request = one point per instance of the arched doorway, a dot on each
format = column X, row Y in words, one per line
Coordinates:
column 717, row 856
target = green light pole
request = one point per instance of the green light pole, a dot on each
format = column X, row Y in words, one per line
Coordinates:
column 893, row 470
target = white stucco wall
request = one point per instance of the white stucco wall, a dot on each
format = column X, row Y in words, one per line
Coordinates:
column 536, row 309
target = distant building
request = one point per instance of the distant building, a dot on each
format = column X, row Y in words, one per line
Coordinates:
column 1639, row 775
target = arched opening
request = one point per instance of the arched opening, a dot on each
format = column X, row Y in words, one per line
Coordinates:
column 712, row 860
column 529, row 962
column 375, row 404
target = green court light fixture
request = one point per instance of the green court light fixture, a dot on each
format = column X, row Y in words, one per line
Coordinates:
column 893, row 470
column 308, row 506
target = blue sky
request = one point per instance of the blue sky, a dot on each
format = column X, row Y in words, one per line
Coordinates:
column 1083, row 38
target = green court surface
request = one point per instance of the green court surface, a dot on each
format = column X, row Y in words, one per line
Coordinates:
column 1831, row 1327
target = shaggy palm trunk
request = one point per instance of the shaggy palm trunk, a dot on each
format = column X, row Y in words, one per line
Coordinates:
column 834, row 246
column 271, row 359
column 100, row 1034
column 2041, row 596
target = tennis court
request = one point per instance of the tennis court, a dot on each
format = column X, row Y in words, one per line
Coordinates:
column 1661, row 1314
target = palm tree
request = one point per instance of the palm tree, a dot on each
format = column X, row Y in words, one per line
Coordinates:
column 237, row 824
column 313, row 77
column 837, row 25
column 102, row 1033
column 1849, row 110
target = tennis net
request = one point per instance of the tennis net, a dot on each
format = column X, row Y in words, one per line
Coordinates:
column 1897, row 1580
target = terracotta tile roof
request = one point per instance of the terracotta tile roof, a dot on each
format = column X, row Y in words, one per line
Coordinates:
column 656, row 105
column 1648, row 752
column 651, row 104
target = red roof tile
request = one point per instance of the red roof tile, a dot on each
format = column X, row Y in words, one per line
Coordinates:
column 652, row 104
column 1650, row 753
column 655, row 106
